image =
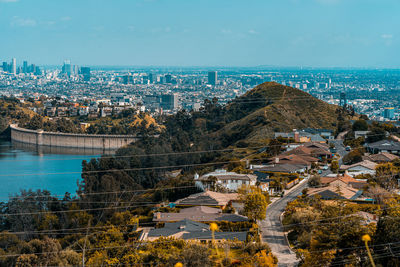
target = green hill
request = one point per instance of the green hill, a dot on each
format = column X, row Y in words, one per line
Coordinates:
column 272, row 107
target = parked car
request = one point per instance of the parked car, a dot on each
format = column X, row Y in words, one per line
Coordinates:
column 325, row 167
column 348, row 148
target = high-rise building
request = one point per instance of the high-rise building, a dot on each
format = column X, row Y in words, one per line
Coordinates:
column 170, row 101
column 25, row 67
column 67, row 68
column 85, row 71
column 5, row 66
column 343, row 100
column 168, row 78
column 127, row 79
column 152, row 78
column 212, row 77
column 14, row 66
column 388, row 113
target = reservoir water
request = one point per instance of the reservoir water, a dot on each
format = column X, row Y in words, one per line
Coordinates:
column 29, row 167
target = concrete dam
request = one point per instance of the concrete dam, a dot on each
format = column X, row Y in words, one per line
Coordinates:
column 70, row 140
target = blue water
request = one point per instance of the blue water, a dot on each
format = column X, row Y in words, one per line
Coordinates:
column 26, row 167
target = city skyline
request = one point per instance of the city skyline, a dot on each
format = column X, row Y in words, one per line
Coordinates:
column 175, row 33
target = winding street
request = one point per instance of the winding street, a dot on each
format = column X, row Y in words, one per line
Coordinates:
column 272, row 229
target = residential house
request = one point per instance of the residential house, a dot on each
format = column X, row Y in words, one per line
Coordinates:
column 343, row 178
column 208, row 198
column 51, row 111
column 363, row 167
column 363, row 134
column 106, row 111
column 62, row 111
column 191, row 230
column 339, row 190
column 198, row 214
column 307, row 135
column 384, row 146
column 382, row 157
column 280, row 168
column 83, row 111
column 230, row 181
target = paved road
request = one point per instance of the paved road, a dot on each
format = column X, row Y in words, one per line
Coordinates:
column 272, row 229
column 340, row 149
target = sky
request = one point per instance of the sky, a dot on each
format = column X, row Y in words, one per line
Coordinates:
column 291, row 33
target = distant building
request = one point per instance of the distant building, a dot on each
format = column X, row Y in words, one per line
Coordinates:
column 127, row 79
column 212, row 77
column 14, row 66
column 152, row 78
column 25, row 67
column 170, row 101
column 168, row 78
column 67, row 68
column 343, row 100
column 85, row 71
column 388, row 113
column 5, row 66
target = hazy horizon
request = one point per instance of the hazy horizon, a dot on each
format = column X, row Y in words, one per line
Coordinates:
column 287, row 33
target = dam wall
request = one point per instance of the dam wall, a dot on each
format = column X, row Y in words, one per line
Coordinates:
column 70, row 140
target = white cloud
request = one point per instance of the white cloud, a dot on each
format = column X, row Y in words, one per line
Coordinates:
column 67, row 18
column 387, row 36
column 253, row 31
column 226, row 31
column 23, row 22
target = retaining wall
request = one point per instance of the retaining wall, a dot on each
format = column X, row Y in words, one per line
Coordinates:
column 86, row 141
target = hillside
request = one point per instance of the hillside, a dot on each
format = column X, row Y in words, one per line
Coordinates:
column 272, row 107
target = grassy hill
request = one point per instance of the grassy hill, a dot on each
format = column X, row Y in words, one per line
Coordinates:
column 271, row 107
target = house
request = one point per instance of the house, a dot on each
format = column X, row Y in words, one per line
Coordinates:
column 198, row 214
column 308, row 135
column 309, row 150
column 336, row 191
column 362, row 134
column 346, row 179
column 281, row 168
column 208, row 198
column 191, row 230
column 295, row 159
column 51, row 111
column 382, row 157
column 83, row 111
column 366, row 217
column 231, row 181
column 363, row 167
column 263, row 181
column 384, row 146
column 62, row 111
column 106, row 111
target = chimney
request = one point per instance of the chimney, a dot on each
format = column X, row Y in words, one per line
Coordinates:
column 276, row 160
column 196, row 176
column 158, row 215
column 297, row 137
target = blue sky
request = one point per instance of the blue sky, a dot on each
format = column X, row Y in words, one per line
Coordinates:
column 314, row 33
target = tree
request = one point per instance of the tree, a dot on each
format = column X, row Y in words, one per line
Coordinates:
column 255, row 206
column 353, row 157
column 3, row 124
column 376, row 134
column 360, row 125
column 335, row 166
column 314, row 181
